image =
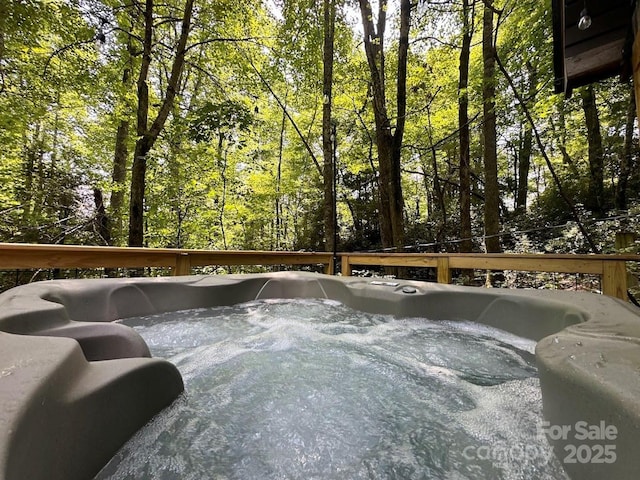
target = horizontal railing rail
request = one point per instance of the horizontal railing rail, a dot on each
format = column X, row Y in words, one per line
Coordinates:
column 611, row 268
column 25, row 256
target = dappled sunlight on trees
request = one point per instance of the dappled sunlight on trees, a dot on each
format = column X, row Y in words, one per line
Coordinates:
column 215, row 124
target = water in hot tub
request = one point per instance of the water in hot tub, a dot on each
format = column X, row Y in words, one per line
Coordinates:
column 312, row 389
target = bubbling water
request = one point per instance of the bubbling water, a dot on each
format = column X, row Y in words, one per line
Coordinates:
column 311, row 389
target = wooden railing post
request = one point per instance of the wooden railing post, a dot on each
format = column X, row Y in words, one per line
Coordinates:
column 183, row 264
column 346, row 266
column 443, row 270
column 614, row 279
column 330, row 268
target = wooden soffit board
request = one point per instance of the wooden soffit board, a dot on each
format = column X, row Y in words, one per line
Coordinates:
column 601, row 51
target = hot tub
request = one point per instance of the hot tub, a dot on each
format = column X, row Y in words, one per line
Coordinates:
column 74, row 386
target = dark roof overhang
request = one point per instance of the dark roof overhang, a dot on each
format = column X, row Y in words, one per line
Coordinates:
column 601, row 51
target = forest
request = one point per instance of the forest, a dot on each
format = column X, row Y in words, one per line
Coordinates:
column 317, row 125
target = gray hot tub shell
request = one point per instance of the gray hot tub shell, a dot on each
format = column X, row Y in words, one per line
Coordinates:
column 74, row 386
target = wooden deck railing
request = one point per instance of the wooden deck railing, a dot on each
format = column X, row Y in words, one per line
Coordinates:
column 611, row 268
column 23, row 256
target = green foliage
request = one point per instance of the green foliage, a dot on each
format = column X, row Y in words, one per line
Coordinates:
column 219, row 119
column 230, row 170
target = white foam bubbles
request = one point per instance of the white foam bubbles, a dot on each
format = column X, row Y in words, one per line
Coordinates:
column 304, row 389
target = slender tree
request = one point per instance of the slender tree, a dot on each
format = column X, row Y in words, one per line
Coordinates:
column 388, row 138
column 119, row 172
column 328, row 131
column 596, row 201
column 147, row 135
column 524, row 152
column 490, row 153
column 626, row 160
column 463, row 125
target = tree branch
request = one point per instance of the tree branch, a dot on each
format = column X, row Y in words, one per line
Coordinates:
column 401, row 86
column 286, row 112
column 217, row 40
column 445, row 180
column 176, row 72
column 64, row 49
column 142, row 87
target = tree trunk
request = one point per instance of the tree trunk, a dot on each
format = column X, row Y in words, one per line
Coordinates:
column 39, row 187
column 492, row 193
column 118, row 177
column 626, row 157
column 524, row 165
column 138, row 185
column 397, row 210
column 54, row 141
column 595, row 201
column 119, row 173
column 147, row 136
column 524, row 154
column 389, row 144
column 222, row 164
column 438, row 188
column 31, row 152
column 466, row 245
column 278, row 201
column 101, row 220
column 328, row 131
column 174, row 193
